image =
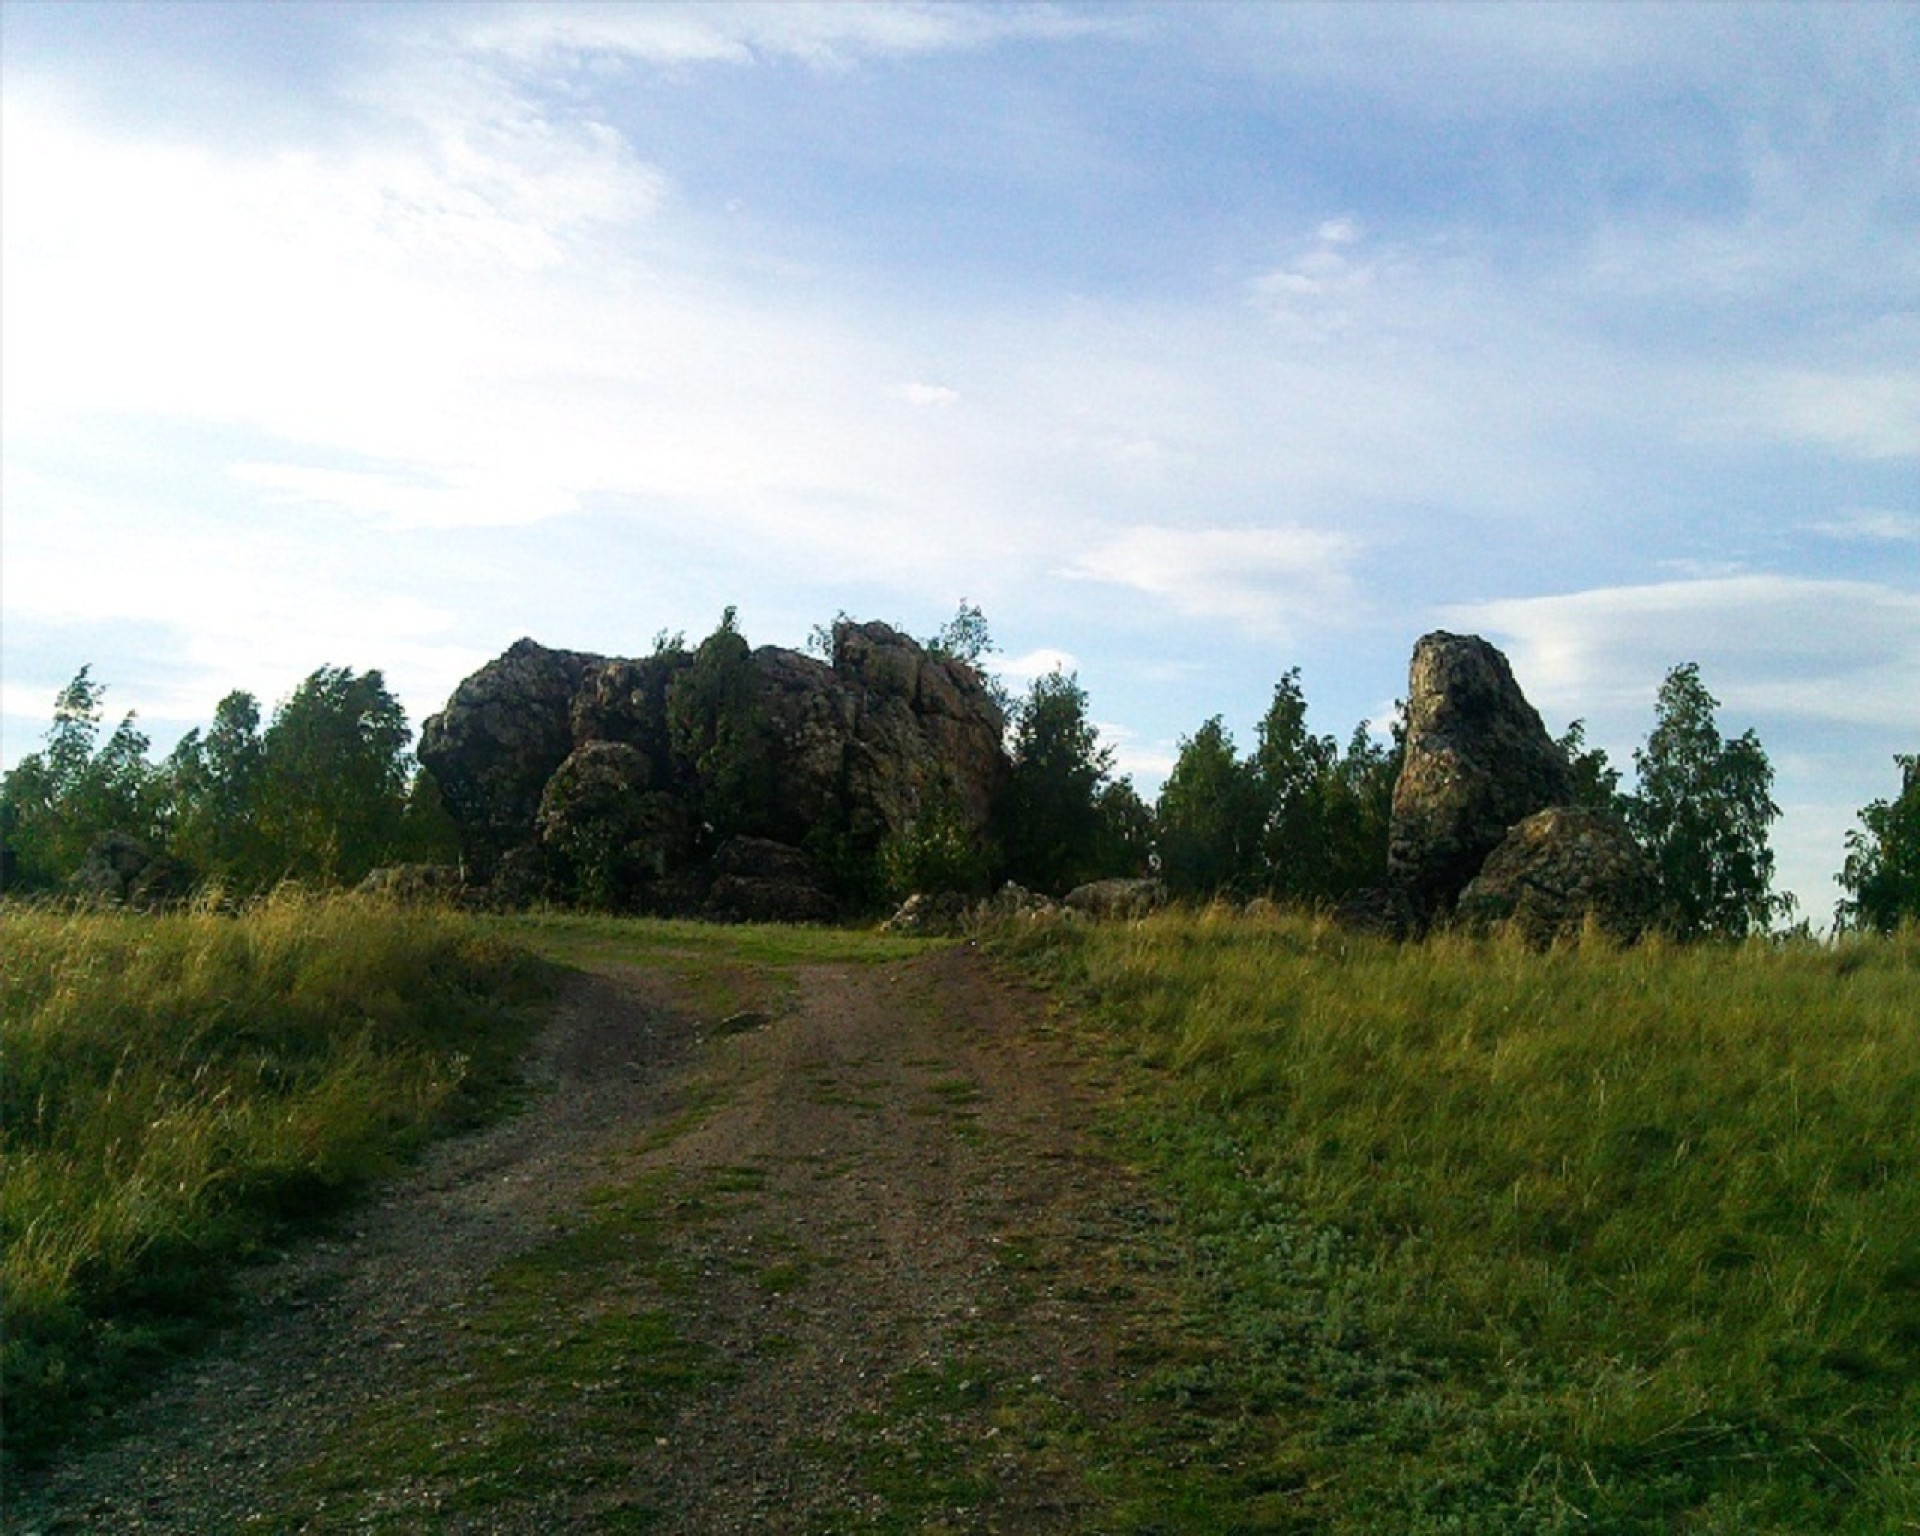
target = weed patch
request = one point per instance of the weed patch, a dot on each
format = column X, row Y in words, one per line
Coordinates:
column 178, row 1090
column 1475, row 1239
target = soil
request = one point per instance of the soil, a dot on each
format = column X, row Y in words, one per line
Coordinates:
column 916, row 1301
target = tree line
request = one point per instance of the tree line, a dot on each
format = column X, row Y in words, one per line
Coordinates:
column 325, row 791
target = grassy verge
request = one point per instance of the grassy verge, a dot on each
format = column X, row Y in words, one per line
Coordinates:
column 176, row 1090
column 1485, row 1240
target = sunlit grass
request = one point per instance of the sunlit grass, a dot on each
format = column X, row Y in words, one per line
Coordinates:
column 1626, row 1240
column 176, row 1088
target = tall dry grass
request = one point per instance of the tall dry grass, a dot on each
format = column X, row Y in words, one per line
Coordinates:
column 1592, row 1239
column 175, row 1089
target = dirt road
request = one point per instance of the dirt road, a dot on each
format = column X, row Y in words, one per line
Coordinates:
column 847, row 1259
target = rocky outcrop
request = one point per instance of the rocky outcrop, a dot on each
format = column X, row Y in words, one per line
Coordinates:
column 410, row 885
column 120, row 870
column 1560, row 869
column 1116, row 898
column 619, row 780
column 1478, row 760
column 498, row 741
column 757, row 880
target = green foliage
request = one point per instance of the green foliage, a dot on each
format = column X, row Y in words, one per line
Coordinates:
column 1701, row 810
column 1326, row 812
column 713, row 732
column 61, row 800
column 215, row 784
column 1058, row 824
column 1298, row 820
column 178, row 1087
column 333, row 777
column 323, row 795
column 937, row 852
column 1483, row 1240
column 964, row 637
column 1210, row 815
column 1881, row 875
column 1596, row 782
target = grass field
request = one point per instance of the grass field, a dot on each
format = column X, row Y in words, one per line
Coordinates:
column 1487, row 1240
column 1465, row 1238
column 177, row 1091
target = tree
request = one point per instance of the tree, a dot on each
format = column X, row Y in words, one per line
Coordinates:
column 1054, row 829
column 332, row 777
column 1702, row 809
column 1210, row 816
column 1296, row 773
column 1358, row 811
column 56, row 803
column 712, row 730
column 966, row 638
column 1596, row 782
column 214, row 783
column 1881, row 875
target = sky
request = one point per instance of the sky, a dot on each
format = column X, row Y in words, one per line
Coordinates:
column 1192, row 343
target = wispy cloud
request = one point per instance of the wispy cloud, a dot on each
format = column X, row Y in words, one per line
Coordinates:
column 1808, row 650
column 1268, row 582
column 822, row 35
column 1870, row 526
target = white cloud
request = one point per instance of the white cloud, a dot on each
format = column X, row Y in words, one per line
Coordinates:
column 1866, row 415
column 404, row 501
column 1813, row 651
column 1322, row 288
column 1867, row 525
column 925, row 395
column 1268, row 582
column 1037, row 663
column 831, row 36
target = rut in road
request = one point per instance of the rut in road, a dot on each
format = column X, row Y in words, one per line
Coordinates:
column 851, row 1261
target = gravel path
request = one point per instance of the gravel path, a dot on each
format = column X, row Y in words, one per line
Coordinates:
column 916, row 1305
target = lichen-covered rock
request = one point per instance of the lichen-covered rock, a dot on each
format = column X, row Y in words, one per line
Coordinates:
column 413, row 884
column 1478, row 760
column 931, row 914
column 498, row 741
column 118, row 868
column 757, row 880
column 1558, row 869
column 1116, row 898
column 1377, row 911
column 924, row 725
column 690, row 748
column 606, row 834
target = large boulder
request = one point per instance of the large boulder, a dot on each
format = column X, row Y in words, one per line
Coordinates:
column 606, row 834
column 1117, row 898
column 1478, row 760
column 756, row 880
column 925, row 727
column 1559, row 869
column 615, row 780
column 498, row 741
column 119, row 869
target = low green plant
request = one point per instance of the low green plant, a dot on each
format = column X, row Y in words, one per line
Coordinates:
column 177, row 1089
column 1488, row 1240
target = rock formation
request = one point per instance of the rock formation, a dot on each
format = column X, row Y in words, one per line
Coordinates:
column 619, row 781
column 1117, row 898
column 1478, row 760
column 1560, row 868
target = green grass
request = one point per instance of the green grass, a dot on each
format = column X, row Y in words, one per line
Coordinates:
column 695, row 947
column 573, row 1356
column 176, row 1091
column 1484, row 1240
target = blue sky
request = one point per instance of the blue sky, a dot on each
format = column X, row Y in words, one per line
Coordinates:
column 1192, row 342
